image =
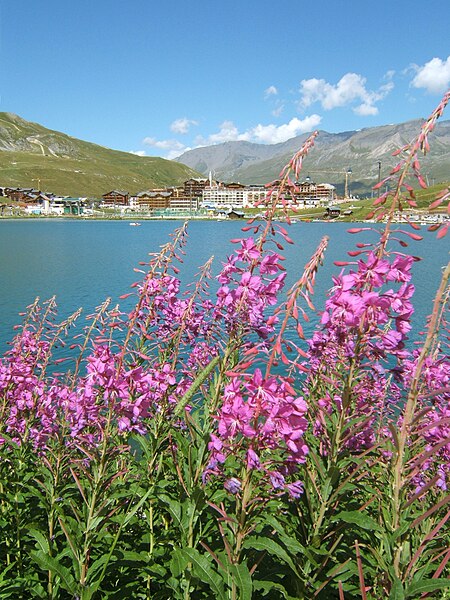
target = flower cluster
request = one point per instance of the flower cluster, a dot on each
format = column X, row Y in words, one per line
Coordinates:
column 261, row 420
column 434, row 428
column 27, row 411
column 250, row 282
column 36, row 408
column 364, row 329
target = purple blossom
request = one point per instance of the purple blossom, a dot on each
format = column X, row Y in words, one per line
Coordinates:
column 232, row 485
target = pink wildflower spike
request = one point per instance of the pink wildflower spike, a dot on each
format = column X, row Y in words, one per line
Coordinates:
column 380, row 184
column 399, row 151
column 412, row 203
column 358, row 229
column 443, row 193
column 442, row 231
column 421, row 181
column 413, row 236
column 414, row 225
column 436, row 203
column 396, row 169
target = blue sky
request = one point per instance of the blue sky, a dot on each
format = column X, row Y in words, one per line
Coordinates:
column 157, row 77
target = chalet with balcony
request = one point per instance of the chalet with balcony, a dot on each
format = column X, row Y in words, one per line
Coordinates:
column 115, row 198
column 37, row 204
column 20, row 194
column 308, row 193
column 153, row 200
column 194, row 187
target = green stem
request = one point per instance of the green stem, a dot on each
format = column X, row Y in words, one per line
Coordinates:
column 399, row 478
column 98, row 479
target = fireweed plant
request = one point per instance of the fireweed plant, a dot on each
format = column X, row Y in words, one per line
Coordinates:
column 199, row 447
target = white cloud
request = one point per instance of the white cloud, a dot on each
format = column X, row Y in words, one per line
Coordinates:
column 228, row 132
column 270, row 91
column 264, row 134
column 434, row 76
column 278, row 110
column 182, row 125
column 164, row 144
column 138, row 152
column 175, row 153
column 273, row 134
column 349, row 89
column 365, row 109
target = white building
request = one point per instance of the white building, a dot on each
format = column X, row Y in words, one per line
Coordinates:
column 232, row 195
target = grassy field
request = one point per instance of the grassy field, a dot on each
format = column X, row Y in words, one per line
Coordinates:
column 33, row 156
column 90, row 176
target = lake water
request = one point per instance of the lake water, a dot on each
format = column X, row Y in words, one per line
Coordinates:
column 84, row 262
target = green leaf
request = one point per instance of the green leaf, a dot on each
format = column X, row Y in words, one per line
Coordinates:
column 201, row 378
column 40, row 539
column 129, row 556
column 357, row 518
column 268, row 586
column 50, row 563
column 135, row 508
column 178, row 562
column 96, row 566
column 268, row 545
column 202, row 569
column 243, row 580
column 397, row 591
column 429, row 585
column 175, row 510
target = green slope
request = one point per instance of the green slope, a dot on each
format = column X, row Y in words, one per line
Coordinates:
column 33, row 156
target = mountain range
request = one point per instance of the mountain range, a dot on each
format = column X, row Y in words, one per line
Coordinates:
column 34, row 156
column 366, row 152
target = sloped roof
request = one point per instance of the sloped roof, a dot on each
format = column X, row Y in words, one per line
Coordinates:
column 116, row 193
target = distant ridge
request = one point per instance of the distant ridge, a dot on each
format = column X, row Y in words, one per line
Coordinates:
column 34, row 156
column 358, row 150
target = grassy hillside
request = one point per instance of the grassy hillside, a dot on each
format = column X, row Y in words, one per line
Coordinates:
column 33, row 156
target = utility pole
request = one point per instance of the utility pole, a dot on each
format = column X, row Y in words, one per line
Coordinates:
column 347, row 175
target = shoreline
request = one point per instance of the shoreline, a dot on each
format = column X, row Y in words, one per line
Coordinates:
column 429, row 220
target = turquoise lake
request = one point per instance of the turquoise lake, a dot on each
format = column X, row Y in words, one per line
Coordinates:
column 84, row 262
